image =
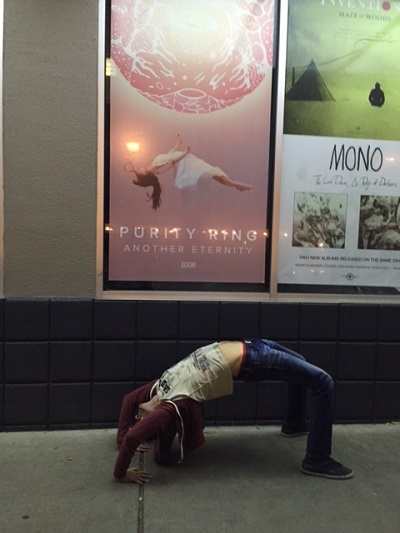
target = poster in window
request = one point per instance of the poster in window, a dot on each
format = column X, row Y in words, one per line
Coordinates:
column 190, row 100
column 341, row 155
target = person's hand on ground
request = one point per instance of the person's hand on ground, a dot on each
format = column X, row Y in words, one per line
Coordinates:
column 144, row 447
column 133, row 475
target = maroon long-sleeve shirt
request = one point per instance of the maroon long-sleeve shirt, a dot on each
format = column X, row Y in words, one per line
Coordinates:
column 162, row 424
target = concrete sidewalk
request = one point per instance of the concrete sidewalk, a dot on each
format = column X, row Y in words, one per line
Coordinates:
column 245, row 479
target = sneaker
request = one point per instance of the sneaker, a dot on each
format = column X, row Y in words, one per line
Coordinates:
column 293, row 431
column 326, row 468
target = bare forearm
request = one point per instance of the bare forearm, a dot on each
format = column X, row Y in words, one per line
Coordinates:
column 177, row 144
column 179, row 158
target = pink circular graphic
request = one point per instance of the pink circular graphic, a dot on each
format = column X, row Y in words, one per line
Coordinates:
column 194, row 56
column 386, row 6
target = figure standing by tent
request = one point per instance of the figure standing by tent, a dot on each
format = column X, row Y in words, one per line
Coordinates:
column 377, row 96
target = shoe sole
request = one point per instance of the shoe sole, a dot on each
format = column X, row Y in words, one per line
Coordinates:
column 291, row 435
column 329, row 476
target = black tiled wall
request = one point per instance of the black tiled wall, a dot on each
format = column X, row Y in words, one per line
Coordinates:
column 68, row 363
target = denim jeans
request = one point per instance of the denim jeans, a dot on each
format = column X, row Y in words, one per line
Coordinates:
column 268, row 360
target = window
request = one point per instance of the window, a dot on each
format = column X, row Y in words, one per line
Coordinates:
column 188, row 155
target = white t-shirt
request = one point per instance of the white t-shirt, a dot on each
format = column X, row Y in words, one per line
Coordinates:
column 203, row 375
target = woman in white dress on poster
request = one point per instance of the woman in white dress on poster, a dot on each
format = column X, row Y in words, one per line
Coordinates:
column 188, row 168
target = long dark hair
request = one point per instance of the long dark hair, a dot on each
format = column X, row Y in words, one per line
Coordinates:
column 148, row 179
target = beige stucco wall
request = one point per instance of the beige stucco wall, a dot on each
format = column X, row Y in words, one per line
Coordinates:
column 50, row 147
